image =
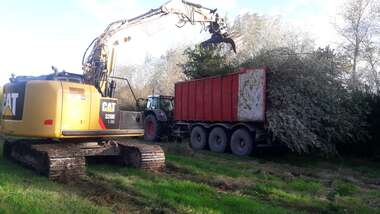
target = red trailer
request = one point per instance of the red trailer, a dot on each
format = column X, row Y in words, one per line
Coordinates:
column 224, row 111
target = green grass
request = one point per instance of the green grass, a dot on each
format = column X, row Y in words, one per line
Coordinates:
column 200, row 182
column 23, row 191
column 310, row 187
column 345, row 188
column 182, row 195
column 271, row 181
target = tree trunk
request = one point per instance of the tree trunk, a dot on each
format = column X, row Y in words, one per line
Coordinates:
column 354, row 77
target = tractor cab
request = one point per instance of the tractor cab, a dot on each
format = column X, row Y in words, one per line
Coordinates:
column 160, row 102
column 158, row 115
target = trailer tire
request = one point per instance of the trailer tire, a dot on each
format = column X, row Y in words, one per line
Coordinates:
column 151, row 128
column 241, row 142
column 218, row 140
column 198, row 138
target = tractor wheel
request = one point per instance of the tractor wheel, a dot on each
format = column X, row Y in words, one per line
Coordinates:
column 151, row 128
column 217, row 140
column 241, row 142
column 198, row 138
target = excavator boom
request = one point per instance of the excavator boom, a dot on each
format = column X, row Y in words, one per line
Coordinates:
column 96, row 61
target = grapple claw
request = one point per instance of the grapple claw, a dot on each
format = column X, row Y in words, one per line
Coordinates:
column 218, row 38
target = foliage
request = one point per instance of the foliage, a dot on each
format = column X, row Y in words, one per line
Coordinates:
column 1, row 99
column 309, row 107
column 204, row 62
column 371, row 147
column 258, row 33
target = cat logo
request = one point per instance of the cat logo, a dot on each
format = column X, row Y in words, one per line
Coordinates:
column 10, row 104
column 108, row 107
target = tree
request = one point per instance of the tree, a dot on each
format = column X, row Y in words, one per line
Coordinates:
column 259, row 33
column 359, row 22
column 205, row 62
column 371, row 56
column 168, row 71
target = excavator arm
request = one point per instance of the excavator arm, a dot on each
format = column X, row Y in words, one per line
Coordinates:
column 97, row 62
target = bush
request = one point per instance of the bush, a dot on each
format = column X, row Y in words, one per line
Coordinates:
column 1, row 99
column 371, row 147
column 309, row 107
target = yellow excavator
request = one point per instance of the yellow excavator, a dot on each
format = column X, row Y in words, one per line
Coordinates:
column 51, row 123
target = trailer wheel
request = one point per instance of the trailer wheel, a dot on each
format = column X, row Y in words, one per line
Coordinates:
column 241, row 142
column 218, row 140
column 151, row 128
column 198, row 138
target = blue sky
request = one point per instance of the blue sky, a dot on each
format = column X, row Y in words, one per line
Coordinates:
column 38, row 34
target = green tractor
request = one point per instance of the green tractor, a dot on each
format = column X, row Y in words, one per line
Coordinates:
column 158, row 117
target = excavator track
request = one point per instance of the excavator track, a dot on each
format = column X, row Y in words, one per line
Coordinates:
column 56, row 161
column 144, row 156
column 67, row 161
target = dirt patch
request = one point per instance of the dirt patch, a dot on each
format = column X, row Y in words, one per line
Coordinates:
column 183, row 148
column 324, row 175
column 120, row 198
column 104, row 194
column 222, row 183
